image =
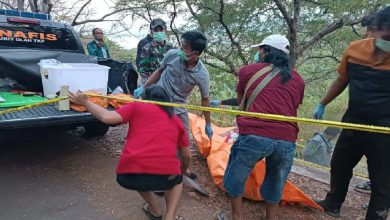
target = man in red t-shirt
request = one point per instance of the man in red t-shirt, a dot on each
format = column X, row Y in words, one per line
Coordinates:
column 260, row 138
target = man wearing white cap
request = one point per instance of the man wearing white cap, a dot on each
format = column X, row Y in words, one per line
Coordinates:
column 277, row 41
column 269, row 86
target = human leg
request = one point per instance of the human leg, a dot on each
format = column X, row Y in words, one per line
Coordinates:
column 152, row 202
column 270, row 210
column 278, row 166
column 186, row 121
column 145, row 184
column 245, row 153
column 347, row 154
column 236, row 203
column 345, row 157
column 377, row 153
column 172, row 199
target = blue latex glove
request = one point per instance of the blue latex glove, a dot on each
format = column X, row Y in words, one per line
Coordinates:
column 215, row 103
column 138, row 92
column 209, row 131
column 319, row 111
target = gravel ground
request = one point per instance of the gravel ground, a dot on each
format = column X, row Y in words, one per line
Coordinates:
column 113, row 142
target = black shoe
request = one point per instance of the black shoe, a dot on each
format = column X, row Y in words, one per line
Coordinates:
column 332, row 212
column 364, row 187
column 193, row 176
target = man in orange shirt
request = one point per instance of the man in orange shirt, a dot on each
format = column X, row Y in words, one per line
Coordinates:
column 365, row 67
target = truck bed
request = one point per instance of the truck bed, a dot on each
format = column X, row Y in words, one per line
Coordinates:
column 44, row 115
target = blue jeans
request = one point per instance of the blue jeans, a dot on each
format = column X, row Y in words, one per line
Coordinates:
column 246, row 151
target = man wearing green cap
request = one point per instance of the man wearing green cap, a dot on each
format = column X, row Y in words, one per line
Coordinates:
column 153, row 52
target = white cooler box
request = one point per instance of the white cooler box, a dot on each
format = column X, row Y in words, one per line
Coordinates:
column 78, row 76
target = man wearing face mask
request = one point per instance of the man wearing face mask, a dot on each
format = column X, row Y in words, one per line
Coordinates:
column 368, row 24
column 180, row 71
column 365, row 67
column 257, row 58
column 97, row 47
column 153, row 52
column 269, row 86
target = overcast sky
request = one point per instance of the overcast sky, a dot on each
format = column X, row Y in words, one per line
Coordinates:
column 127, row 39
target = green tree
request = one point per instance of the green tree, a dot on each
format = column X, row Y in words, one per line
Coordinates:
column 120, row 53
column 233, row 25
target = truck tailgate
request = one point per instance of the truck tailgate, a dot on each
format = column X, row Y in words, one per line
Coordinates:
column 43, row 116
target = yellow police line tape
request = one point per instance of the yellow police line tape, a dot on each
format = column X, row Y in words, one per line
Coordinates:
column 344, row 125
column 358, row 127
column 309, row 164
column 300, row 147
column 38, row 104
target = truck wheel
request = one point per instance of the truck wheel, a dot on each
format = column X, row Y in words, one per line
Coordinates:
column 96, row 129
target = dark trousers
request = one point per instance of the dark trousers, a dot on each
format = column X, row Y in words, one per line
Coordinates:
column 350, row 148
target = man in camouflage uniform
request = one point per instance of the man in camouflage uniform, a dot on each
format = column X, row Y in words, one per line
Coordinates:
column 153, row 52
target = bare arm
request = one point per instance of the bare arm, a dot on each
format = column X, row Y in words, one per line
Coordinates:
column 206, row 103
column 154, row 77
column 100, row 113
column 335, row 89
column 186, row 160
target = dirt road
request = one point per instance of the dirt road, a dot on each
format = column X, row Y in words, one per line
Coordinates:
column 63, row 176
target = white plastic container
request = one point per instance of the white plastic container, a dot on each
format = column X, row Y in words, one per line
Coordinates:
column 78, row 76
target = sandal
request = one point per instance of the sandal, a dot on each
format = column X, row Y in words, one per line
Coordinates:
column 220, row 216
column 146, row 209
column 179, row 217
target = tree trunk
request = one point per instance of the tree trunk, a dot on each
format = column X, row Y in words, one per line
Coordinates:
column 20, row 5
column 293, row 34
column 293, row 47
column 33, row 5
column 8, row 4
column 46, row 6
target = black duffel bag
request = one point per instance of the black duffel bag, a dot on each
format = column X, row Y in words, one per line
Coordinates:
column 122, row 73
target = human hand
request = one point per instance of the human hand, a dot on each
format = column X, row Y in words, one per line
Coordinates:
column 319, row 111
column 138, row 92
column 215, row 103
column 78, row 98
column 209, row 131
